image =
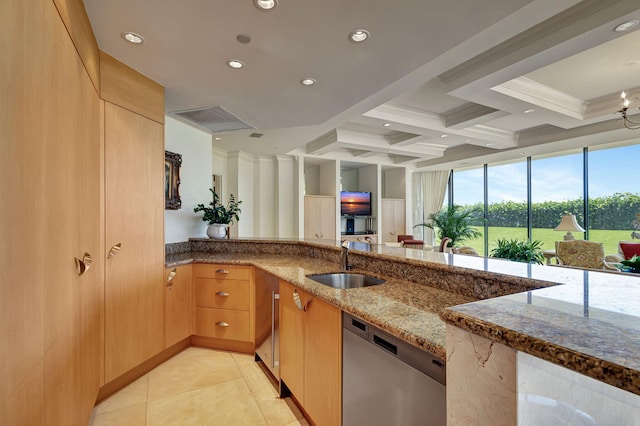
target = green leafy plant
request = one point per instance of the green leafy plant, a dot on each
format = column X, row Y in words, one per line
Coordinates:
column 633, row 264
column 519, row 251
column 218, row 213
column 455, row 222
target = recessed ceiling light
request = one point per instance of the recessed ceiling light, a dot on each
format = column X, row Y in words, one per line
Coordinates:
column 266, row 5
column 528, row 111
column 235, row 63
column 243, row 38
column 467, row 140
column 308, row 81
column 626, row 26
column 358, row 36
column 488, row 144
column 387, row 125
column 444, row 135
column 522, row 153
column 218, row 139
column 133, row 37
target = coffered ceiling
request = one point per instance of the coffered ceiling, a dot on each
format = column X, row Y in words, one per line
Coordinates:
column 457, row 83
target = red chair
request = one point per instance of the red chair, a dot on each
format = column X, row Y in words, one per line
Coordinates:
column 408, row 242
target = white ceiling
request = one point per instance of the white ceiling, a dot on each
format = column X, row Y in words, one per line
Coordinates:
column 430, row 68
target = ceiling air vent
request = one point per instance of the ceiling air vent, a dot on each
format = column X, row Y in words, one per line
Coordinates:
column 215, row 119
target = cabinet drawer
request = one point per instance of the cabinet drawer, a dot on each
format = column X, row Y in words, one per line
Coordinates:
column 222, row 272
column 211, row 323
column 227, row 294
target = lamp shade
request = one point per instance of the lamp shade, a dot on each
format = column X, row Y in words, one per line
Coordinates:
column 569, row 224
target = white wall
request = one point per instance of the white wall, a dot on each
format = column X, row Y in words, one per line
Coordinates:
column 241, row 184
column 394, row 183
column 219, row 161
column 286, row 199
column 265, row 197
column 195, row 179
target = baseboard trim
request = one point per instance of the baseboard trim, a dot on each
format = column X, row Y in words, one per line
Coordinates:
column 121, row 381
column 227, row 345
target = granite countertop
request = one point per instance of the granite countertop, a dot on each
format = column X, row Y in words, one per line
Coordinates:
column 586, row 321
column 404, row 309
column 590, row 324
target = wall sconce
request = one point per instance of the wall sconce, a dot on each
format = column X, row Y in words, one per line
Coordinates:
column 569, row 224
column 632, row 125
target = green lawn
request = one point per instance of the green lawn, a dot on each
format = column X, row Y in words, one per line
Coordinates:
column 548, row 237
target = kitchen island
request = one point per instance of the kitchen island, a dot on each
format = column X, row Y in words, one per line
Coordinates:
column 584, row 321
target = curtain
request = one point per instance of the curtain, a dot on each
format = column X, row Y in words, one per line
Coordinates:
column 428, row 194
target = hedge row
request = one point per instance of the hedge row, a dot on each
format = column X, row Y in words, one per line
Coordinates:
column 615, row 211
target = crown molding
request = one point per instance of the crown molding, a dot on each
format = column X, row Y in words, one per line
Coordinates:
column 557, row 29
column 471, row 114
column 407, row 116
column 533, row 92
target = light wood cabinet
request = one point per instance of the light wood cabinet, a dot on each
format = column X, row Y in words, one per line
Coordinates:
column 393, row 219
column 50, row 165
column 311, row 353
column 178, row 306
column 134, row 198
column 320, row 217
column 225, row 302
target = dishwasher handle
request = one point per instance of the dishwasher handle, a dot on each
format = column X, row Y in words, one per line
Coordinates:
column 387, row 346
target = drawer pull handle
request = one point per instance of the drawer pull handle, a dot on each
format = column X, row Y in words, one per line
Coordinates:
column 83, row 265
column 298, row 301
column 222, row 294
column 172, row 275
column 114, row 250
column 222, row 271
column 222, row 324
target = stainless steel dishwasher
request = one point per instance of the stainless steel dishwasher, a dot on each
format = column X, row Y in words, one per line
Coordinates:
column 388, row 382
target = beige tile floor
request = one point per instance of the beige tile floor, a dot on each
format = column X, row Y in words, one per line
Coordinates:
column 200, row 387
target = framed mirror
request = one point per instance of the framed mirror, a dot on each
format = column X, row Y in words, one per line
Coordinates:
column 172, row 163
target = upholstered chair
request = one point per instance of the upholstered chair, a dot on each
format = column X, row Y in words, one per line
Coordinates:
column 465, row 250
column 582, row 254
column 626, row 250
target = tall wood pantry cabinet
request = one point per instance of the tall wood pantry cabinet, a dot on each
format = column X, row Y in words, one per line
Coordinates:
column 50, row 216
column 134, row 217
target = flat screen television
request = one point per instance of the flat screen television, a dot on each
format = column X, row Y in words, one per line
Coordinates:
column 355, row 203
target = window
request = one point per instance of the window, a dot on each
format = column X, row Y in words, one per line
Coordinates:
column 614, row 195
column 507, row 207
column 468, row 191
column 556, row 188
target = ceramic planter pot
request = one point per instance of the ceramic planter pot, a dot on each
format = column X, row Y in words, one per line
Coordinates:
column 217, row 230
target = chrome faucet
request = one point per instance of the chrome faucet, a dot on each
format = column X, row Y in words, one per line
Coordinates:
column 344, row 256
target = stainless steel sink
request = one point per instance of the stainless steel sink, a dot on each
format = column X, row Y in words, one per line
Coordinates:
column 346, row 280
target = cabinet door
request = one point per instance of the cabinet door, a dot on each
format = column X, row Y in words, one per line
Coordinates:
column 312, row 218
column 399, row 217
column 134, row 177
column 323, row 363
column 388, row 230
column 328, row 217
column 292, row 340
column 177, row 305
column 71, row 118
column 393, row 219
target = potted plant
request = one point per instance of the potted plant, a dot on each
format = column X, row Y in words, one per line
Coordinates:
column 454, row 222
column 631, row 265
column 218, row 216
column 519, row 251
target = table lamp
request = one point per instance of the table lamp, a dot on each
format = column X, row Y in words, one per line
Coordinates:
column 569, row 224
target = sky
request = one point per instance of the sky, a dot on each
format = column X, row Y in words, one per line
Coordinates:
column 554, row 179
